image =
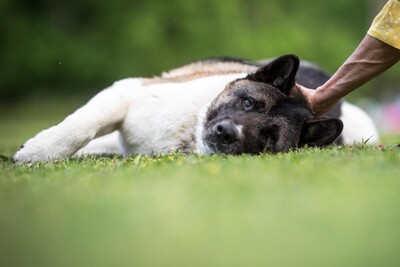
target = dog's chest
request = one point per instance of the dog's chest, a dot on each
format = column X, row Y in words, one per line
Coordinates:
column 163, row 117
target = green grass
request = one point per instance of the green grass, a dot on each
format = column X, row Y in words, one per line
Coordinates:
column 334, row 207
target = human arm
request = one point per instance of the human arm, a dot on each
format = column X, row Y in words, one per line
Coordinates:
column 371, row 58
column 377, row 52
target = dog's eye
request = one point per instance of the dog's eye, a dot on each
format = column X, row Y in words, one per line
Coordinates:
column 247, row 104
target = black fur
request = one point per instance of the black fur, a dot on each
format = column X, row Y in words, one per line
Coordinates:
column 308, row 75
column 272, row 117
column 280, row 73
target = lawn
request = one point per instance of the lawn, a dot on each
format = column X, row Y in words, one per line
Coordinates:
column 338, row 206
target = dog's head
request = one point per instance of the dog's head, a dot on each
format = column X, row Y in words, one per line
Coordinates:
column 264, row 112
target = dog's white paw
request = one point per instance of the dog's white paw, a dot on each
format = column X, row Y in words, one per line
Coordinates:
column 48, row 145
column 29, row 153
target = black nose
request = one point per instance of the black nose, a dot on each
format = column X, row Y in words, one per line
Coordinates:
column 226, row 131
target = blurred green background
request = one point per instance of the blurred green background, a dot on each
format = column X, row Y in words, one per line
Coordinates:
column 78, row 47
column 269, row 210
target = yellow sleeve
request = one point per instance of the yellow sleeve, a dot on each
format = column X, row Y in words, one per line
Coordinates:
column 386, row 25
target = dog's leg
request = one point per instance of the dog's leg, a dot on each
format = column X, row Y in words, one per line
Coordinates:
column 109, row 144
column 101, row 115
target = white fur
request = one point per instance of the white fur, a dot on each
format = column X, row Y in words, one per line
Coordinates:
column 101, row 115
column 105, row 145
column 358, row 126
column 201, row 148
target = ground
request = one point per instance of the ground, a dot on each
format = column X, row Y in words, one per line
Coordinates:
column 338, row 206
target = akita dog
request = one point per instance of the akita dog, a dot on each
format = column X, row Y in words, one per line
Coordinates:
column 223, row 106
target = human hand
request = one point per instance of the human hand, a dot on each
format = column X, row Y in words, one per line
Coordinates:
column 317, row 99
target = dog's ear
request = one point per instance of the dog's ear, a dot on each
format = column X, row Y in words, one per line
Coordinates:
column 320, row 132
column 280, row 73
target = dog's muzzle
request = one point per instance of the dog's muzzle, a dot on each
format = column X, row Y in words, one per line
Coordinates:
column 225, row 132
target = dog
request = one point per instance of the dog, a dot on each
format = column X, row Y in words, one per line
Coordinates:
column 213, row 106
